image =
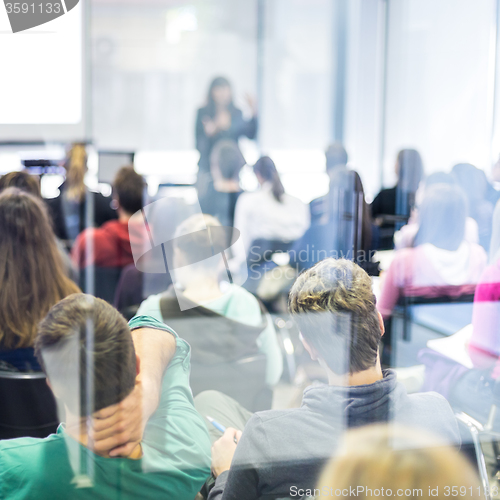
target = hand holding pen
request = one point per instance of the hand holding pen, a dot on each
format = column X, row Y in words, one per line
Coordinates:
column 224, row 448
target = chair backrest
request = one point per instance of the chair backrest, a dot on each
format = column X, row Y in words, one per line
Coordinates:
column 243, row 380
column 28, row 406
column 102, row 283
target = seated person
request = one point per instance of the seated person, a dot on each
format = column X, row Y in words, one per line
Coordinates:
column 475, row 185
column 31, row 184
column 334, row 308
column 336, row 232
column 220, row 325
column 69, row 210
column 32, row 276
column 405, row 237
column 111, row 242
column 398, row 461
column 336, row 159
column 442, row 261
column 484, row 345
column 400, row 199
column 268, row 214
column 220, row 195
column 170, row 460
column 471, row 390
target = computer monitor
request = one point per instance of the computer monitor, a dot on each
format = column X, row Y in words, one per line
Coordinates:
column 109, row 162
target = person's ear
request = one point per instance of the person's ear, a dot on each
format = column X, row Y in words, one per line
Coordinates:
column 309, row 348
column 137, row 365
column 381, row 324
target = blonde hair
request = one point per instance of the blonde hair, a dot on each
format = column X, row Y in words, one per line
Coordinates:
column 400, row 459
column 76, row 168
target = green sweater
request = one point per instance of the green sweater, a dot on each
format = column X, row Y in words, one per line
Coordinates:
column 175, row 462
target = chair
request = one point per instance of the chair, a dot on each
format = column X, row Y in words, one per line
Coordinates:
column 388, row 225
column 243, row 380
column 28, row 406
column 444, row 295
column 100, row 281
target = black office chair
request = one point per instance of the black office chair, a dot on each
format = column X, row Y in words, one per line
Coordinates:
column 243, row 380
column 28, row 407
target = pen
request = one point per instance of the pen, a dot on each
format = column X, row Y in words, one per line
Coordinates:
column 218, row 426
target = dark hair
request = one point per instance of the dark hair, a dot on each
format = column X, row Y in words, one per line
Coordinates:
column 129, row 189
column 345, row 198
column 22, row 180
column 83, row 328
column 32, row 273
column 442, row 217
column 219, row 81
column 335, row 309
column 411, row 170
column 410, row 173
column 336, row 155
column 266, row 169
column 226, row 155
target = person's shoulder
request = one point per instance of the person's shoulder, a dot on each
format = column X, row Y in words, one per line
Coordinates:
column 26, row 452
column 237, row 292
column 432, row 411
column 276, row 417
column 247, row 199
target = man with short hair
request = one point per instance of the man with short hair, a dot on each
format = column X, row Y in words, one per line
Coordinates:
column 334, row 307
column 109, row 245
column 92, row 361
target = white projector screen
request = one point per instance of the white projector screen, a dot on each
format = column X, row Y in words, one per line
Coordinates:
column 43, row 75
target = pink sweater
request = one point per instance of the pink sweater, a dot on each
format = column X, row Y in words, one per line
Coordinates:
column 428, row 271
column 484, row 345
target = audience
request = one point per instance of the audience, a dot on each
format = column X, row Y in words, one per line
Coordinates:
column 220, row 325
column 221, row 194
column 441, row 261
column 334, row 308
column 389, row 461
column 109, row 245
column 399, row 200
column 269, row 217
column 170, row 460
column 69, row 210
column 32, row 276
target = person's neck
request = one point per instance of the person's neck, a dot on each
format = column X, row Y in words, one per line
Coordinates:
column 201, row 291
column 365, row 377
column 77, row 429
column 227, row 185
column 123, row 216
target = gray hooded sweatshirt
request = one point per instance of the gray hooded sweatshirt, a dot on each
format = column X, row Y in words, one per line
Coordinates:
column 282, row 451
